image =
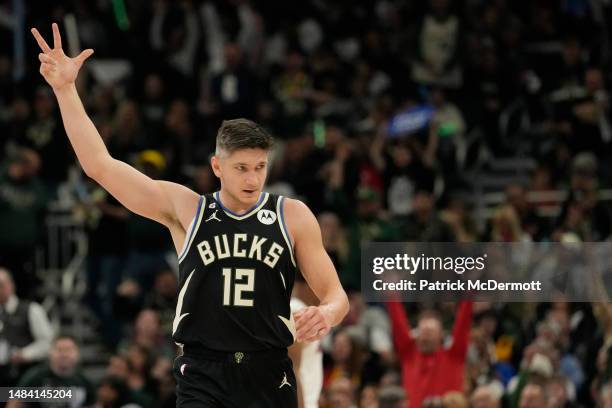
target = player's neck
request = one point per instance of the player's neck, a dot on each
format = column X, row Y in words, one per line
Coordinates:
column 235, row 205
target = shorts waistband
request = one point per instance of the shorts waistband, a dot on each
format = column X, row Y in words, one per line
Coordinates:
column 236, row 357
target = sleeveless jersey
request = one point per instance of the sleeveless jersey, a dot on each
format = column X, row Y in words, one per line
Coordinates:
column 236, row 274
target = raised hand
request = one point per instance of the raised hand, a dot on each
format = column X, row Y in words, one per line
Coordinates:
column 57, row 68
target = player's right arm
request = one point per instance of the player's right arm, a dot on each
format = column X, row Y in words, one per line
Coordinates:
column 168, row 203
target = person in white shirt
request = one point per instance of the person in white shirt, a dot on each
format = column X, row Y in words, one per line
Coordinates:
column 25, row 332
column 307, row 357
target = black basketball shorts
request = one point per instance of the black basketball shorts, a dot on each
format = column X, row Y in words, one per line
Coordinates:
column 212, row 379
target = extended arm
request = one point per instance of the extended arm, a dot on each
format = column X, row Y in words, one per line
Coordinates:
column 313, row 322
column 401, row 329
column 168, row 203
column 461, row 330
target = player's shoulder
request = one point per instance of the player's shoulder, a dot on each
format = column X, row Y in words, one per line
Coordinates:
column 295, row 208
column 299, row 218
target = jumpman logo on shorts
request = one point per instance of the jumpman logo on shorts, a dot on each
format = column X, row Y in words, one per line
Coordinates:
column 285, row 382
column 213, row 216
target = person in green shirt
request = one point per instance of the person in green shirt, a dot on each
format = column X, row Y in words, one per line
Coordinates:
column 62, row 370
column 23, row 201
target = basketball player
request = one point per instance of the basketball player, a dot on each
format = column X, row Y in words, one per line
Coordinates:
column 238, row 252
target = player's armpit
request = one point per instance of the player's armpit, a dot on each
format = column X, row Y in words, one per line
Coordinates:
column 314, row 262
column 162, row 201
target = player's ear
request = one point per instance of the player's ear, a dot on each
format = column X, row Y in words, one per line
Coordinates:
column 216, row 168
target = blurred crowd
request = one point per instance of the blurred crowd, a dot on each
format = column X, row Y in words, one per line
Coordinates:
column 384, row 112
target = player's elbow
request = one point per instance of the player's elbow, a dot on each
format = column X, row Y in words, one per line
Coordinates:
column 94, row 168
column 93, row 172
column 344, row 304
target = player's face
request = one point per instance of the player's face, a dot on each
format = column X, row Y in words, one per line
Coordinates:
column 242, row 173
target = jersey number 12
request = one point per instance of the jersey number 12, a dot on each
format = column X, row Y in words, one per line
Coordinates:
column 239, row 287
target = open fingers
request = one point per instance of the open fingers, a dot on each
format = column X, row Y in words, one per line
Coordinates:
column 84, row 55
column 41, row 41
column 307, row 328
column 44, row 58
column 316, row 333
column 46, row 68
column 57, row 38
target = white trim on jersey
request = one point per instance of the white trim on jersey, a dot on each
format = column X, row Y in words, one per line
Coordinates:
column 193, row 228
column 179, row 304
column 283, row 227
column 262, row 201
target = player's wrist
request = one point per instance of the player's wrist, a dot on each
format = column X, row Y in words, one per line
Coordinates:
column 65, row 89
column 328, row 313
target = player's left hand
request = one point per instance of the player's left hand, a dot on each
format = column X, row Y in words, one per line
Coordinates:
column 311, row 324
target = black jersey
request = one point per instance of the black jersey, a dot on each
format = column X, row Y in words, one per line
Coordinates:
column 236, row 273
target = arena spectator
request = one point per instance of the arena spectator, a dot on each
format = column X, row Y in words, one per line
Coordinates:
column 25, row 332
column 392, row 397
column 486, row 396
column 23, row 200
column 533, row 396
column 428, row 369
column 62, row 370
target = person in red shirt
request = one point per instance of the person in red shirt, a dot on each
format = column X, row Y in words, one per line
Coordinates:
column 428, row 368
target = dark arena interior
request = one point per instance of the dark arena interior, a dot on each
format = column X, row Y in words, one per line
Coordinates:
column 434, row 121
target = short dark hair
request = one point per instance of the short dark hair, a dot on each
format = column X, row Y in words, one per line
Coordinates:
column 65, row 336
column 242, row 133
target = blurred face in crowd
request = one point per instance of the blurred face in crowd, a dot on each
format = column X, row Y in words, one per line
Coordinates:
column 438, row 98
column 594, row 80
column 233, row 55
column 153, row 87
column 165, row 284
column 7, row 287
column 341, row 394
column 137, row 358
column 107, row 395
column 557, row 393
column 571, row 52
column 330, row 228
column 20, row 109
column 423, row 204
column 25, row 165
column 242, row 173
column 204, row 178
column 439, row 7
column 44, row 103
column 368, row 398
column 606, row 397
column 118, row 367
column 516, row 197
column 342, row 347
column 429, row 338
column 483, row 398
column 63, row 356
column 147, row 323
column 532, row 397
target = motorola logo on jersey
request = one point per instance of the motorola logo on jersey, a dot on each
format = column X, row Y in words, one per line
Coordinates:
column 266, row 217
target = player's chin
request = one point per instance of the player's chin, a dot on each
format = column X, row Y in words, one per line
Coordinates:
column 249, row 193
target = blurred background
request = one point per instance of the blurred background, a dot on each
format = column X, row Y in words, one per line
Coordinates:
column 438, row 120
